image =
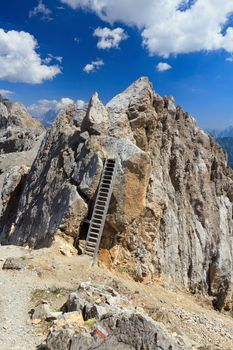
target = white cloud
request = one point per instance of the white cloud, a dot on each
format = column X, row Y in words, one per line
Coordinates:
column 43, row 106
column 163, row 66
column 6, row 93
column 170, row 27
column 109, row 38
column 80, row 104
column 93, row 66
column 51, row 58
column 19, row 61
column 229, row 59
column 42, row 10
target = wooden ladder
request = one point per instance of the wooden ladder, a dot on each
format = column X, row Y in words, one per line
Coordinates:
column 100, row 210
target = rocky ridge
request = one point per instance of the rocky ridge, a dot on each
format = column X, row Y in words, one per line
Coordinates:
column 171, row 210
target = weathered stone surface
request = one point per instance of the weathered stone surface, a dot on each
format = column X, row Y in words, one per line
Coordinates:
column 13, row 264
column 122, row 328
column 20, row 137
column 18, row 130
column 12, row 180
column 128, row 332
column 171, row 209
column 54, row 200
column 41, row 311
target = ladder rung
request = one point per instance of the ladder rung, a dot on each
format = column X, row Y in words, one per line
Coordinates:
column 100, row 207
column 102, row 204
column 90, row 244
column 98, row 216
column 109, row 168
column 97, row 225
column 90, row 249
column 105, row 186
column 97, row 221
column 94, row 235
column 95, row 230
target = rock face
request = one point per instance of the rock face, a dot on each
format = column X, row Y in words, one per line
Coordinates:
column 18, row 130
column 171, row 210
column 20, row 136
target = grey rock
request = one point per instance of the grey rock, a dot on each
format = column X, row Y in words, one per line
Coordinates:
column 18, row 130
column 74, row 303
column 126, row 331
column 12, row 180
column 53, row 316
column 96, row 120
column 13, row 264
column 42, row 311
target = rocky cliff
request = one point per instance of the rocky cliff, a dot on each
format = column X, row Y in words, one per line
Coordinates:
column 171, row 210
column 20, row 137
column 18, row 130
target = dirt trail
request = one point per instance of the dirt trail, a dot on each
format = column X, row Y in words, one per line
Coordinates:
column 56, row 269
column 16, row 331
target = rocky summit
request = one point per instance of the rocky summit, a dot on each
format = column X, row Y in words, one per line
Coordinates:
column 170, row 215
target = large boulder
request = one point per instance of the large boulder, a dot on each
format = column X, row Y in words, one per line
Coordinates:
column 18, row 130
column 171, row 210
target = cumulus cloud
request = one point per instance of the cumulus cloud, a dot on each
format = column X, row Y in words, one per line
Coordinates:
column 80, row 104
column 42, row 10
column 93, row 66
column 43, row 106
column 170, row 27
column 109, row 38
column 19, row 61
column 163, row 66
column 6, row 93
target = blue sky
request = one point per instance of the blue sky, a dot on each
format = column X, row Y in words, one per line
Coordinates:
column 179, row 53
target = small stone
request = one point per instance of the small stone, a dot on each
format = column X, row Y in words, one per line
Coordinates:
column 13, row 264
column 41, row 312
column 52, row 316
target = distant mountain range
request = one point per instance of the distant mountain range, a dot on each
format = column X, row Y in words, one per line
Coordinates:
column 227, row 145
column 225, row 139
column 216, row 133
column 48, row 118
